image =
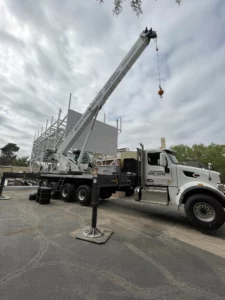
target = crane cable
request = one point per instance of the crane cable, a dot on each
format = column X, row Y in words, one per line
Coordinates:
column 160, row 92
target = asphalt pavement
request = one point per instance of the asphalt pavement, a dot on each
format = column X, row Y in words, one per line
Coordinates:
column 41, row 259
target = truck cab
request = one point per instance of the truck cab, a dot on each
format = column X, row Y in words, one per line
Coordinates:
column 165, row 181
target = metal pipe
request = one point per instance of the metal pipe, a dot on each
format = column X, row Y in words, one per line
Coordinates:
column 69, row 102
column 86, row 140
column 57, row 127
column 143, row 179
column 46, row 125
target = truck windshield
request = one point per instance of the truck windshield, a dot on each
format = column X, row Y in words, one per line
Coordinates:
column 172, row 157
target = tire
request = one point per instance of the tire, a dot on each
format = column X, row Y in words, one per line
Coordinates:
column 44, row 201
column 32, row 196
column 105, row 194
column 204, row 211
column 54, row 193
column 67, row 192
column 83, row 195
column 43, row 183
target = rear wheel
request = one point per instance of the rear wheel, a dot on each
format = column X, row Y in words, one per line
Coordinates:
column 54, row 192
column 44, row 182
column 83, row 194
column 204, row 211
column 67, row 192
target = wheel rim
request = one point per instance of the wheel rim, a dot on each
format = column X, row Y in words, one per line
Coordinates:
column 81, row 195
column 65, row 192
column 51, row 185
column 204, row 212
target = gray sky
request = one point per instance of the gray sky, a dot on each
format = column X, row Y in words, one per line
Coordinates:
column 49, row 48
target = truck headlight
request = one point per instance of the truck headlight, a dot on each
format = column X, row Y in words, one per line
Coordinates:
column 221, row 187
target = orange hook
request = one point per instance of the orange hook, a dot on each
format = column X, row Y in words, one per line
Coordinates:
column 160, row 92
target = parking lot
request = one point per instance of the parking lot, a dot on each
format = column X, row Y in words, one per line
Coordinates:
column 154, row 253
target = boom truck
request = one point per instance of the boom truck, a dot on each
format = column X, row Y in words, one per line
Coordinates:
column 155, row 177
column 68, row 175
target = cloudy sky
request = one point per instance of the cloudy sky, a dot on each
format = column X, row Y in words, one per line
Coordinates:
column 49, row 48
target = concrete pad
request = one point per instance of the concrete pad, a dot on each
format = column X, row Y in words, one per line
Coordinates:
column 4, row 198
column 82, row 235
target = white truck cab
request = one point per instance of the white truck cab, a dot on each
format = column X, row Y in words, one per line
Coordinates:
column 165, row 181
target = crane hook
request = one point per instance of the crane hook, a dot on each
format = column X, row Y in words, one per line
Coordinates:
column 161, row 91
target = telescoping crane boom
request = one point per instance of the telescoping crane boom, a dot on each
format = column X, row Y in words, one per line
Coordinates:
column 91, row 113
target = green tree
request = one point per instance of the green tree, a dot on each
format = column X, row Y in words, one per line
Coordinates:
column 183, row 152
column 21, row 161
column 8, row 153
column 214, row 153
column 135, row 4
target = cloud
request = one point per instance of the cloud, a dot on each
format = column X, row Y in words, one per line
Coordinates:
column 51, row 48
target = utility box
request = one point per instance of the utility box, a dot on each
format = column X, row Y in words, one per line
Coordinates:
column 108, row 170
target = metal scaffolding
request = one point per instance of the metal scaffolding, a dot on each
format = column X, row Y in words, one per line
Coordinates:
column 52, row 136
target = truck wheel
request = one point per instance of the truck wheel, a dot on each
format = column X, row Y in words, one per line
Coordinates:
column 68, row 192
column 204, row 211
column 83, row 194
column 105, row 194
column 54, row 193
column 43, row 183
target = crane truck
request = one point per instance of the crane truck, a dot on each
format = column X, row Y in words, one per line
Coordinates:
column 67, row 174
column 155, row 178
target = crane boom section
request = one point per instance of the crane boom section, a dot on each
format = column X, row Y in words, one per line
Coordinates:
column 107, row 90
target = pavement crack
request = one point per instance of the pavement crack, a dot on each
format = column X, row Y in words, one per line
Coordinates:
column 185, row 287
column 30, row 218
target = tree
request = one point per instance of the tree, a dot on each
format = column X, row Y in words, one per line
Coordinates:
column 8, row 153
column 135, row 4
column 214, row 153
column 21, row 161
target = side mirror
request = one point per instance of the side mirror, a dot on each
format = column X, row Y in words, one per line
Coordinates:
column 162, row 160
column 210, row 167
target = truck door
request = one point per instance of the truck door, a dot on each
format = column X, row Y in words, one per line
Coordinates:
column 157, row 179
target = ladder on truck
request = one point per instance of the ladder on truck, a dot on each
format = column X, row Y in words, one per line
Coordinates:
column 60, row 184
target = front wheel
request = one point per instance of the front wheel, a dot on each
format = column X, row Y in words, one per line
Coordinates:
column 204, row 211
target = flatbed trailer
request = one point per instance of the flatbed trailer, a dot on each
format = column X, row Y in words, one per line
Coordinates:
column 78, row 186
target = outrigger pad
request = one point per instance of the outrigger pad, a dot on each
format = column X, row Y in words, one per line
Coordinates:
column 94, row 235
column 4, row 198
